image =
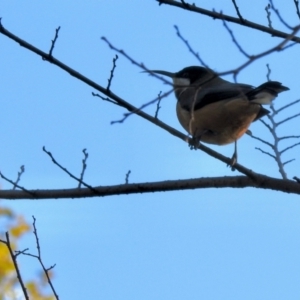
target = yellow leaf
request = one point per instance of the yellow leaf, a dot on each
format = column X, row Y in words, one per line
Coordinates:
column 20, row 228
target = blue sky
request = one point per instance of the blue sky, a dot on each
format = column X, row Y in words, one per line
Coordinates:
column 200, row 244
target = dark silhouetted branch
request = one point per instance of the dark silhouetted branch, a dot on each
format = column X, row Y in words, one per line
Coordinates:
column 54, row 41
column 238, row 11
column 86, row 155
column 297, row 7
column 261, row 181
column 22, row 170
column 186, row 42
column 112, row 72
column 127, row 177
column 16, row 185
column 221, row 16
column 14, row 260
column 267, row 9
column 158, row 107
column 66, row 171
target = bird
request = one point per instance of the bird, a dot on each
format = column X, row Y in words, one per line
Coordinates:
column 216, row 111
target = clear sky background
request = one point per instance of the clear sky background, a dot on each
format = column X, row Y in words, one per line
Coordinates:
column 198, row 244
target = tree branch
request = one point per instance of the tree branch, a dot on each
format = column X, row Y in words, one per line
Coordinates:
column 221, row 16
column 262, row 181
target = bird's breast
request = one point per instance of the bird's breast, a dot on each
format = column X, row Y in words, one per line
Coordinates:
column 221, row 122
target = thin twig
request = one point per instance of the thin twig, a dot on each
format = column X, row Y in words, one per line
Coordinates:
column 269, row 72
column 14, row 259
column 158, row 107
column 238, row 11
column 139, row 109
column 112, row 72
column 297, row 7
column 65, row 170
column 235, row 41
column 86, row 155
column 16, row 185
column 196, row 54
column 287, row 105
column 267, row 9
column 288, row 119
column 289, row 137
column 127, row 177
column 279, row 16
column 267, row 153
column 54, row 40
column 39, row 258
column 290, row 147
column 288, row 161
column 22, row 170
column 297, row 179
column 262, row 141
column 108, row 100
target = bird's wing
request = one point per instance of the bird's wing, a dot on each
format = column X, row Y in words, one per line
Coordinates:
column 194, row 98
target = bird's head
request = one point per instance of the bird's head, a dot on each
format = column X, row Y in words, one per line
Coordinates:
column 188, row 75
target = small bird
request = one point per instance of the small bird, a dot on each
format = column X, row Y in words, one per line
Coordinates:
column 216, row 111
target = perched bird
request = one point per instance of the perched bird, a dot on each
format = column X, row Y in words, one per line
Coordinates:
column 214, row 110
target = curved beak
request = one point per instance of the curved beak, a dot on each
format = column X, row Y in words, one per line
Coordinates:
column 169, row 74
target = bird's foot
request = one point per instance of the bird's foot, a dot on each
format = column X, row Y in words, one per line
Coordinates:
column 194, row 143
column 233, row 159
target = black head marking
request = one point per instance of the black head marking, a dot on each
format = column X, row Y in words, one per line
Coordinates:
column 193, row 73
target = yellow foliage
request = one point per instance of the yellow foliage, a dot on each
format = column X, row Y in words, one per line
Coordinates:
column 5, row 261
column 35, row 292
column 20, row 228
column 10, row 288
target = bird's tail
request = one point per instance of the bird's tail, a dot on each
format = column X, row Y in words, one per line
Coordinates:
column 267, row 92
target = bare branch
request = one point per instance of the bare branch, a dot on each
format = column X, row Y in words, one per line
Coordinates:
column 286, row 106
column 287, row 119
column 235, row 41
column 14, row 259
column 269, row 72
column 86, row 155
column 22, row 170
column 127, row 176
column 279, row 16
column 260, row 181
column 112, row 72
column 290, row 147
column 196, row 54
column 16, row 185
column 54, row 40
column 266, row 124
column 66, row 171
column 108, row 100
column 264, row 152
column 267, row 9
column 297, row 179
column 39, row 258
column 288, row 161
column 238, row 11
column 221, row 16
column 262, row 141
column 297, row 7
column 289, row 137
column 158, row 107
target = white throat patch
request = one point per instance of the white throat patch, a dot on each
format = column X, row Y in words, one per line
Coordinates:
column 181, row 81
